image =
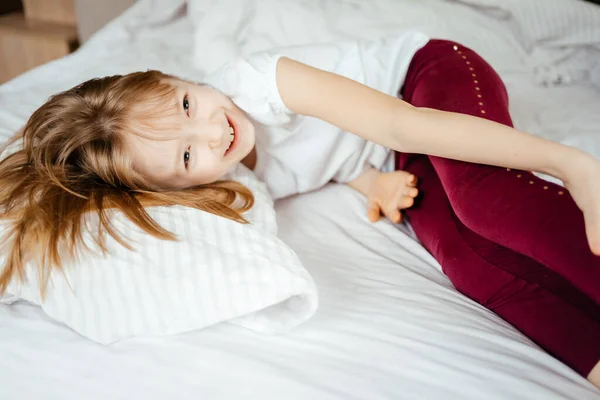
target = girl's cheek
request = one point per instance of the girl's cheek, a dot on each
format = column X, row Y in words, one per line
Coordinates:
column 210, row 168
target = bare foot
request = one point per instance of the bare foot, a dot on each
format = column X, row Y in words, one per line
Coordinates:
column 584, row 186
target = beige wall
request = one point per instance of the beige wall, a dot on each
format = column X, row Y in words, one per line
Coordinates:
column 94, row 14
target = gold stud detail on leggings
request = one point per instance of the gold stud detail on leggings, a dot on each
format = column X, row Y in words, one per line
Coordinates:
column 518, row 176
column 482, row 111
column 545, row 187
column 561, row 193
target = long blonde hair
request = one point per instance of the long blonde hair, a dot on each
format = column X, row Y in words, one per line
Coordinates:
column 74, row 161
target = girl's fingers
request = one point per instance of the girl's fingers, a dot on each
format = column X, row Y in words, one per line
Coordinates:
column 592, row 227
column 394, row 216
column 399, row 218
column 411, row 192
column 407, row 202
column 392, row 211
column 412, row 180
column 373, row 210
column 402, row 202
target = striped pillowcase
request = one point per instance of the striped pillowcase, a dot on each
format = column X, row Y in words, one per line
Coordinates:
column 218, row 271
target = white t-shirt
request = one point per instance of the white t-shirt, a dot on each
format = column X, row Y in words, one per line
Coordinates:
column 295, row 153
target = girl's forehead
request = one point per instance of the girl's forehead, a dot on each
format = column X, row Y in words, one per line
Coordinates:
column 160, row 128
column 154, row 159
column 157, row 117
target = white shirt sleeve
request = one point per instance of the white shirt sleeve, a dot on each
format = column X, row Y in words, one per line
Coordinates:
column 252, row 85
column 251, row 81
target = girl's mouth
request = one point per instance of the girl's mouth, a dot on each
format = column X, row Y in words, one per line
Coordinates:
column 233, row 138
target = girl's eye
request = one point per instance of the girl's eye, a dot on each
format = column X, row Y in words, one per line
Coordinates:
column 186, row 157
column 186, row 103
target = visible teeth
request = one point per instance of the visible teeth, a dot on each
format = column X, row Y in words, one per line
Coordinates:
column 231, row 137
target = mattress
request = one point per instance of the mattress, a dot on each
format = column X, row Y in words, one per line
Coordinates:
column 390, row 325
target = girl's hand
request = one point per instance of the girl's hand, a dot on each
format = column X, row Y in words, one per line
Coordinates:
column 389, row 193
column 583, row 182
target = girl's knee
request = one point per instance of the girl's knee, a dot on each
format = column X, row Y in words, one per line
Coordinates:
column 448, row 76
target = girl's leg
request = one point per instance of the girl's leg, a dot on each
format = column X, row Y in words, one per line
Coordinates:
column 537, row 301
column 512, row 208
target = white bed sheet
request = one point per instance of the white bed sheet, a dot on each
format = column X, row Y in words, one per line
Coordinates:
column 390, row 324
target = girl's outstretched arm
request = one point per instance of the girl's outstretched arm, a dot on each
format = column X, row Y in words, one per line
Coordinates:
column 396, row 124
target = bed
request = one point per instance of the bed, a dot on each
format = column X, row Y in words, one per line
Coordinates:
column 390, row 325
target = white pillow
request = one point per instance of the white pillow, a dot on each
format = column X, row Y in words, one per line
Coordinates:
column 220, row 270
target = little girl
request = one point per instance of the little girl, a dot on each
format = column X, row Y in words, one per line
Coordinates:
column 304, row 116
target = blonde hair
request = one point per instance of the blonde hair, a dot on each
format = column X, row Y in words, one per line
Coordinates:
column 74, row 161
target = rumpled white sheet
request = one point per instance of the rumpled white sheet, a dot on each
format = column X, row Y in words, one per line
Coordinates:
column 555, row 41
column 230, row 27
column 562, row 37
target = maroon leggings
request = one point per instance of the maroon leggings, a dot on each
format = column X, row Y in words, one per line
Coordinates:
column 507, row 239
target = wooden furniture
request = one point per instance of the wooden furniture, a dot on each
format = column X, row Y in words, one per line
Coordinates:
column 45, row 31
column 57, row 11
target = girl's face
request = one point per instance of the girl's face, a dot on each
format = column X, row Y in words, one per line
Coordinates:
column 207, row 135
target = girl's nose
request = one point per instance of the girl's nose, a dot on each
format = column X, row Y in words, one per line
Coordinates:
column 214, row 135
column 211, row 133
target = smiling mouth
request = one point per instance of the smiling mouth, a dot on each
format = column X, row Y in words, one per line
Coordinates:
column 232, row 138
